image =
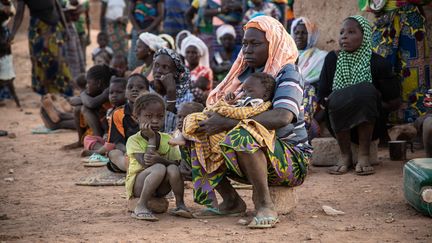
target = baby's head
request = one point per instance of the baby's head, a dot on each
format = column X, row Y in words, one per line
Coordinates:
column 137, row 85
column 102, row 39
column 117, row 91
column 259, row 86
column 149, row 108
column 81, row 82
column 186, row 109
column 201, row 83
column 98, row 79
column 119, row 65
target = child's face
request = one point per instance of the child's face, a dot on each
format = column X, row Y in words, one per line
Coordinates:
column 153, row 114
column 134, row 88
column 94, row 87
column 253, row 88
column 119, row 66
column 102, row 40
column 117, row 94
column 181, row 115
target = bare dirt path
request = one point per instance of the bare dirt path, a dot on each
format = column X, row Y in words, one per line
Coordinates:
column 43, row 204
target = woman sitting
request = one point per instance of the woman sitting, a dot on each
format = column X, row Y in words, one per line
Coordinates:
column 357, row 88
column 310, row 62
column 171, row 81
column 147, row 45
column 267, row 48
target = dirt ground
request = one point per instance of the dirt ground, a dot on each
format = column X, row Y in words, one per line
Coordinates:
column 42, row 203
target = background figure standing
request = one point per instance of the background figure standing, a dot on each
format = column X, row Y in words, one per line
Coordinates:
column 114, row 21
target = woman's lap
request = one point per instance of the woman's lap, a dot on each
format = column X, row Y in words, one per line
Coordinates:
column 287, row 165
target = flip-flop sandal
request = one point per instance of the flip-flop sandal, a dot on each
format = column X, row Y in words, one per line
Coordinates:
column 258, row 222
column 95, row 164
column 336, row 170
column 144, row 216
column 180, row 213
column 211, row 213
column 96, row 160
column 362, row 172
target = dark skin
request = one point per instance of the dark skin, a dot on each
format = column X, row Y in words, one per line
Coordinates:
column 160, row 175
column 300, row 36
column 153, row 26
column 255, row 48
column 144, row 53
column 192, row 57
column 102, row 40
column 165, row 84
column 228, row 44
column 350, row 39
column 119, row 64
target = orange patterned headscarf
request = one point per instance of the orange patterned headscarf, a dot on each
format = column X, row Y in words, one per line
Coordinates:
column 282, row 51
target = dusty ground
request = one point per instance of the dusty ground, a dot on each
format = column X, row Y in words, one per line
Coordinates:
column 43, row 204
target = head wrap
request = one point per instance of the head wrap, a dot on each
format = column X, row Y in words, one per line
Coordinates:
column 169, row 40
column 181, row 75
column 177, row 43
column 354, row 67
column 313, row 32
column 224, row 29
column 154, row 42
column 282, row 51
column 200, row 45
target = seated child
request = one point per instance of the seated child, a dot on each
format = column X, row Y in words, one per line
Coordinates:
column 258, row 91
column 123, row 124
column 185, row 109
column 102, row 55
column 97, row 145
column 424, row 124
column 93, row 103
column 119, row 64
column 153, row 169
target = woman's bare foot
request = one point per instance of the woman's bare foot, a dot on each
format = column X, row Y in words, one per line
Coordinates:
column 363, row 166
column 179, row 140
column 342, row 167
column 48, row 106
column 232, row 206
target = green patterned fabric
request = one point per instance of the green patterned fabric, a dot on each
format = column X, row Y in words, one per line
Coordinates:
column 354, row 67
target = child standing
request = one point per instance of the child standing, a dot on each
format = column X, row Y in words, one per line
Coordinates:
column 123, row 125
column 102, row 55
column 153, row 169
column 119, row 65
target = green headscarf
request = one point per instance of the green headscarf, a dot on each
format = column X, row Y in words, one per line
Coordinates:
column 353, row 68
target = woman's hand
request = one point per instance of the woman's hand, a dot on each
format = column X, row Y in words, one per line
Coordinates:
column 147, row 131
column 168, row 81
column 216, row 124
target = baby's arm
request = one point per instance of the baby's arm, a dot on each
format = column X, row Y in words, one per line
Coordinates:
column 94, row 102
column 230, row 98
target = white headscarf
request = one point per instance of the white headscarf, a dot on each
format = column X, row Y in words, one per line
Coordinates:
column 177, row 43
column 200, row 45
column 154, row 42
column 224, row 29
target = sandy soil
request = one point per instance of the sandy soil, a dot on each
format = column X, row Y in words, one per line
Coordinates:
column 43, row 204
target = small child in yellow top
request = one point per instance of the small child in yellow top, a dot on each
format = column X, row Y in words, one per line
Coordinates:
column 153, row 164
column 258, row 91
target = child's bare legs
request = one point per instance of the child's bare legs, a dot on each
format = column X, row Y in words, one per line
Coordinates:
column 344, row 141
column 98, row 148
column 48, row 106
column 179, row 140
column 146, row 184
column 92, row 120
column 118, row 158
column 365, row 131
column 177, row 185
column 80, row 130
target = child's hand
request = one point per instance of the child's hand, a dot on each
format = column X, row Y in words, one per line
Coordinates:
column 147, row 131
column 151, row 158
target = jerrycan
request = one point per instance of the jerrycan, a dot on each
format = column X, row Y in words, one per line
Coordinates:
column 417, row 183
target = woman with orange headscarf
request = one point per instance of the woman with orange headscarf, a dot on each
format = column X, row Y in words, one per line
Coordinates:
column 268, row 48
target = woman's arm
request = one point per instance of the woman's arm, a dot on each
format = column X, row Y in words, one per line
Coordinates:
column 18, row 19
column 131, row 10
column 94, row 102
column 158, row 19
column 325, row 82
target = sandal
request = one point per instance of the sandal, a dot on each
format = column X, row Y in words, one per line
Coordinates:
column 210, row 213
column 263, row 222
column 180, row 213
column 96, row 160
column 364, row 170
column 148, row 216
column 338, row 169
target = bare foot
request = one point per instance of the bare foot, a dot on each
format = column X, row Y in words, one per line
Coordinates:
column 48, row 106
column 72, row 146
column 86, row 152
column 179, row 140
column 233, row 206
column 143, row 213
column 342, row 167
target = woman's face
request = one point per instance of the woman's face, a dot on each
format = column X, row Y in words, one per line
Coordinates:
column 300, row 36
column 163, row 65
column 351, row 36
column 142, row 50
column 228, row 41
column 192, row 56
column 255, row 48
